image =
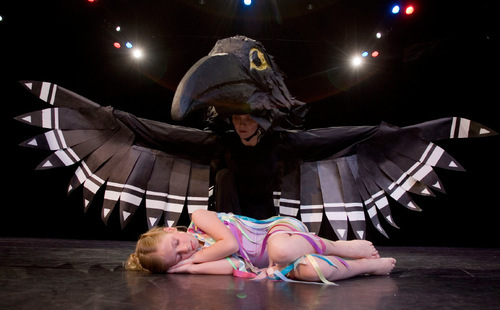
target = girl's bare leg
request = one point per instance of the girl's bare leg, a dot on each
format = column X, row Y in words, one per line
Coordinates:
column 285, row 248
column 372, row 266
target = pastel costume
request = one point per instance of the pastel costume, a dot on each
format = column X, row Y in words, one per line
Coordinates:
column 252, row 236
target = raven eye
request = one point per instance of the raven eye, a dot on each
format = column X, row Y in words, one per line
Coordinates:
column 257, row 60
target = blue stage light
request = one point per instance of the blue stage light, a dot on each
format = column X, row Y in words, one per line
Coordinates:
column 395, row 9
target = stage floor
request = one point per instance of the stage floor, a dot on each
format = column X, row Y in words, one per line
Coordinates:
column 78, row 274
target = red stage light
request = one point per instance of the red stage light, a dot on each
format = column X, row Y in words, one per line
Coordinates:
column 117, row 45
column 375, row 53
column 409, row 10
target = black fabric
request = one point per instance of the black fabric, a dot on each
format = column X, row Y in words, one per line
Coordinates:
column 321, row 143
column 256, row 174
column 184, row 142
column 226, row 193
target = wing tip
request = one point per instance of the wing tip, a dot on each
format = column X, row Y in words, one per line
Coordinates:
column 27, row 84
column 24, row 118
column 31, row 143
column 466, row 128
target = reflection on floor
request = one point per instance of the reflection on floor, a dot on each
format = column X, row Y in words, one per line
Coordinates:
column 76, row 274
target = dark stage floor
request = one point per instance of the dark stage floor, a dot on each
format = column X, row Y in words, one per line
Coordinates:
column 75, row 274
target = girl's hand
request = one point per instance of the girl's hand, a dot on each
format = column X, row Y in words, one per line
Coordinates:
column 270, row 270
column 184, row 266
column 221, row 266
column 266, row 272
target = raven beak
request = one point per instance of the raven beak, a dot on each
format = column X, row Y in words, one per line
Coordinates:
column 218, row 80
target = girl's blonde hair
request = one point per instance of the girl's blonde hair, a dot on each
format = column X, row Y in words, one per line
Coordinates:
column 146, row 257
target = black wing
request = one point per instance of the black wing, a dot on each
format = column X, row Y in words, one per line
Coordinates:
column 368, row 165
column 133, row 159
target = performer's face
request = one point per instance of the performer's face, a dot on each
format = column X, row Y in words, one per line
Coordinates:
column 177, row 245
column 244, row 125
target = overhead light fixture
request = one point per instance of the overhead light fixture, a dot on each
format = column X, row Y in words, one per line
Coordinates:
column 409, row 10
column 356, row 61
column 137, row 54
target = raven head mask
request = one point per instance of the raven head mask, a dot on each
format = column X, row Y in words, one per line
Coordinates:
column 239, row 77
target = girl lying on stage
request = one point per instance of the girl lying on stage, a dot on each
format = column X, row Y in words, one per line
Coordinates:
column 279, row 247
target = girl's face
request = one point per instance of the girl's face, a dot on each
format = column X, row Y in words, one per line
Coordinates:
column 244, row 125
column 177, row 245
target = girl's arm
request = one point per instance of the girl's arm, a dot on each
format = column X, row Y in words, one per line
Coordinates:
column 225, row 245
column 218, row 267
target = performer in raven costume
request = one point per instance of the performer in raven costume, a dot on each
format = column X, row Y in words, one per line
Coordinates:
column 338, row 175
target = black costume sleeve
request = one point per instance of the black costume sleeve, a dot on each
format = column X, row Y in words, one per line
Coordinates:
column 181, row 141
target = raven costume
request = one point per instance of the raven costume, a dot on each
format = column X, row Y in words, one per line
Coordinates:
column 338, row 175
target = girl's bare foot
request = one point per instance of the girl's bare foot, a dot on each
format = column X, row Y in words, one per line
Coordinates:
column 383, row 266
column 353, row 249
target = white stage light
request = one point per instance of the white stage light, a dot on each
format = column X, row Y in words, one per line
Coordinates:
column 356, row 61
column 137, row 54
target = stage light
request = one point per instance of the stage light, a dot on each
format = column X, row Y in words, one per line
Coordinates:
column 137, row 54
column 356, row 61
column 117, row 45
column 364, row 54
column 395, row 9
column 247, row 2
column 118, row 28
column 128, row 45
column 375, row 53
column 378, row 35
column 409, row 10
